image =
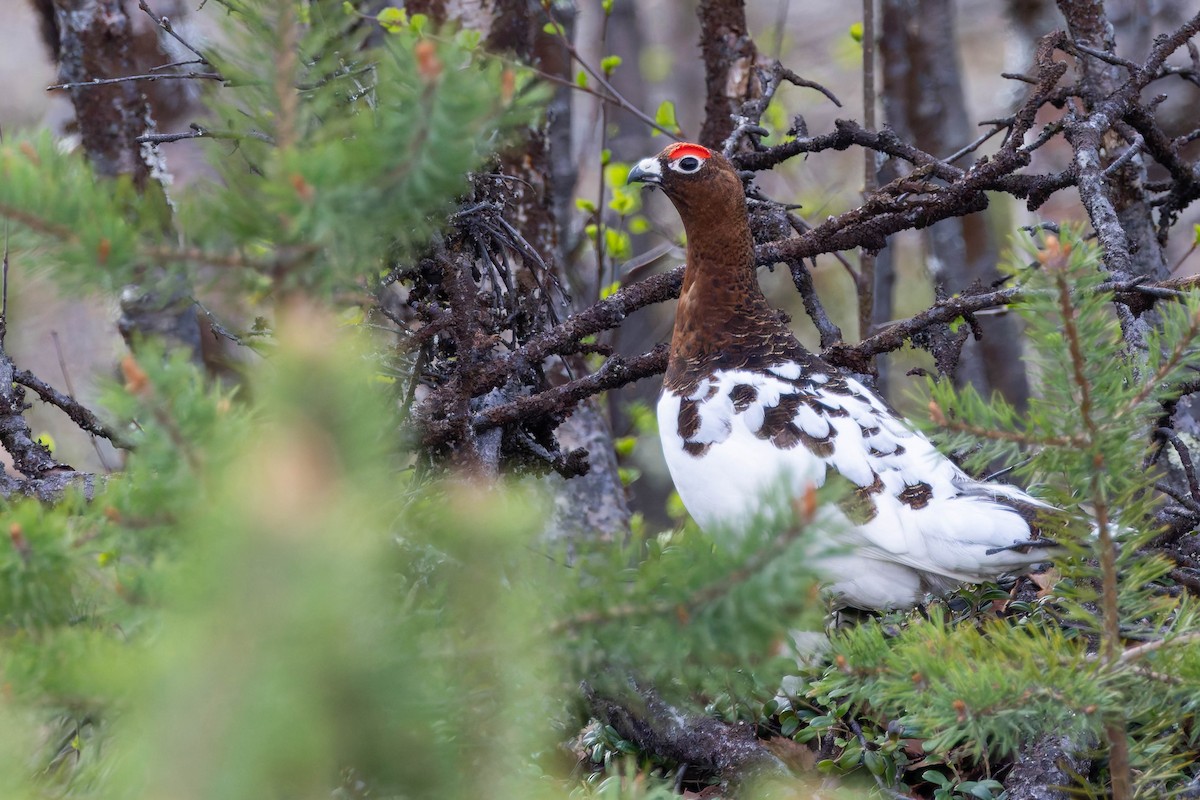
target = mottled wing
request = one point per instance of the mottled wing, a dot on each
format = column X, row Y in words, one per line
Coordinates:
column 740, row 430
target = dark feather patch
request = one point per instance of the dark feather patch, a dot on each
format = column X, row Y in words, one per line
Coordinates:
column 777, row 420
column 695, row 448
column 916, row 495
column 875, row 487
column 821, row 447
column 689, row 418
column 787, row 437
column 837, row 385
column 859, row 506
column 780, row 427
column 825, row 409
column 743, row 395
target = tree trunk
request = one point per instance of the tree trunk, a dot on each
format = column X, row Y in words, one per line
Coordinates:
column 94, row 42
column 729, row 60
column 593, row 504
column 1087, row 23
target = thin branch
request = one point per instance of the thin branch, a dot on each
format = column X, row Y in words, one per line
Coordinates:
column 175, row 64
column 4, row 288
column 975, row 145
column 1134, row 148
column 1105, row 56
column 1189, row 505
column 150, row 77
column 200, row 132
column 66, row 375
column 1134, row 653
column 830, row 333
column 164, row 23
column 866, row 255
column 79, row 414
column 611, row 94
column 1185, row 461
column 615, row 372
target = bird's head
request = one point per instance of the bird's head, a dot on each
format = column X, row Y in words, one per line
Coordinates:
column 694, row 178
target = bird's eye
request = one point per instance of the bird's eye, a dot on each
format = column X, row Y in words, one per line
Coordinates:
column 687, row 164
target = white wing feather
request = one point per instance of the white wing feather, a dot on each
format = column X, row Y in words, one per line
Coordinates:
column 933, row 525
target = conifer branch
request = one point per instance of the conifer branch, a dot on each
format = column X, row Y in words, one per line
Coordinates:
column 1056, row 260
column 1181, row 349
column 940, row 419
column 686, row 608
column 286, row 62
column 38, row 224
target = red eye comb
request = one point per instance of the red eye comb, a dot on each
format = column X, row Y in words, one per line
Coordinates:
column 687, row 149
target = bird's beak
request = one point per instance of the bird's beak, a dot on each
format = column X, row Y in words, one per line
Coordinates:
column 648, row 170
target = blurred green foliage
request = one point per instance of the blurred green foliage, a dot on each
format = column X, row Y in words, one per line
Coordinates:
column 261, row 605
column 332, row 157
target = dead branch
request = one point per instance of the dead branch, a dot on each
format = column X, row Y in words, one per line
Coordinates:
column 704, row 744
column 41, row 474
column 79, row 414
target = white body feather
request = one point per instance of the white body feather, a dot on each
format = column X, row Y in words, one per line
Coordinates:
column 892, row 560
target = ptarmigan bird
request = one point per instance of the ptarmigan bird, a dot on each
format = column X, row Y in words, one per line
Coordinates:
column 745, row 407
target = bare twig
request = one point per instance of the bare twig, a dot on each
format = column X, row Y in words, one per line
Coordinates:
column 830, row 334
column 1133, row 653
column 610, row 93
column 614, row 372
column 151, row 77
column 66, row 375
column 1185, row 461
column 165, row 24
column 200, row 132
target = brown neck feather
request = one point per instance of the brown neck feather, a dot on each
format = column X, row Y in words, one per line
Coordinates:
column 723, row 319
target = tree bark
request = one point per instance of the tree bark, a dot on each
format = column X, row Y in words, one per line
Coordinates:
column 729, row 59
column 94, row 43
column 1087, row 23
column 1047, row 770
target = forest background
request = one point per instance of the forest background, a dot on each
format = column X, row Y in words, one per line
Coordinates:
column 248, row 574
